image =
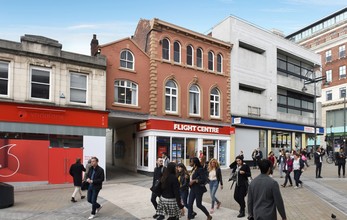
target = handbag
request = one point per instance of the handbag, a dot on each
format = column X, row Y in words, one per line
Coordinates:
column 156, row 188
column 85, row 185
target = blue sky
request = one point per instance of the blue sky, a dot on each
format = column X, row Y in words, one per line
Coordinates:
column 73, row 22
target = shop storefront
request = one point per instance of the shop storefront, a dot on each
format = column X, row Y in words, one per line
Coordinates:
column 269, row 136
column 181, row 141
column 39, row 143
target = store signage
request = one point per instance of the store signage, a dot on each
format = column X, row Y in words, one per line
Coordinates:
column 237, row 120
column 308, row 129
column 196, row 128
column 143, row 126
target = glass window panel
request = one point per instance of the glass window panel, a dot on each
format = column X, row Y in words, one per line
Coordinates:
column 3, row 87
column 39, row 91
column 3, row 70
column 40, row 76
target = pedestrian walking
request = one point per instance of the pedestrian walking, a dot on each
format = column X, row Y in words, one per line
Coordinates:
column 88, row 166
column 264, row 195
column 281, row 162
column 288, row 168
column 76, row 171
column 242, row 172
column 298, row 167
column 170, row 201
column 254, row 157
column 197, row 183
column 157, row 174
column 341, row 162
column 183, row 180
column 215, row 179
column 273, row 160
column 96, row 176
column 165, row 158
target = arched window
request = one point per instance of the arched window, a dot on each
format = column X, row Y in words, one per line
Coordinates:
column 210, row 61
column 215, row 103
column 171, row 97
column 177, row 52
column 127, row 60
column 125, row 92
column 190, row 51
column 219, row 63
column 199, row 59
column 166, row 49
column 194, row 100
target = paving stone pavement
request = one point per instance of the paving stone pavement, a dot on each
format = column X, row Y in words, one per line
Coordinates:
column 126, row 196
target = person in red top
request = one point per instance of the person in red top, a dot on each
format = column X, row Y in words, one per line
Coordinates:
column 273, row 160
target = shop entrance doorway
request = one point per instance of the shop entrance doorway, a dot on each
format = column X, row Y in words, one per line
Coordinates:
column 210, row 151
column 60, row 160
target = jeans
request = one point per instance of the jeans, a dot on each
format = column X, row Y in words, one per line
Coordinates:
column 318, row 169
column 184, row 197
column 297, row 174
column 198, row 197
column 287, row 177
column 92, row 197
column 154, row 200
column 343, row 166
column 213, row 189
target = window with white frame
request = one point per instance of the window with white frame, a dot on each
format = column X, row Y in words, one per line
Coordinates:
column 328, row 56
column 78, row 87
column 190, row 58
column 329, row 95
column 40, row 82
column 329, row 76
column 127, row 60
column 177, row 52
column 199, row 60
column 219, row 63
column 194, row 100
column 342, row 92
column 171, row 97
column 210, row 60
column 342, row 72
column 342, row 51
column 165, row 49
column 4, row 77
column 125, row 92
column 215, row 103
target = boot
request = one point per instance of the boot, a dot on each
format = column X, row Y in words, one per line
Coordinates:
column 242, row 214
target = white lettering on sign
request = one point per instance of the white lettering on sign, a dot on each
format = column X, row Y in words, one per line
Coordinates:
column 196, row 128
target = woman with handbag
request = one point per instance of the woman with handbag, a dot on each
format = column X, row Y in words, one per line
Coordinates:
column 198, row 179
column 170, row 200
column 76, row 171
column 242, row 171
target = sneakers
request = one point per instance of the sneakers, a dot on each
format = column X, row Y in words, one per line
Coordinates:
column 218, row 205
column 73, row 199
column 91, row 216
column 211, row 211
column 295, row 187
column 283, row 185
column 82, row 197
column 98, row 209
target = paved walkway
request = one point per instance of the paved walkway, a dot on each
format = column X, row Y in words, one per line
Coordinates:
column 126, row 197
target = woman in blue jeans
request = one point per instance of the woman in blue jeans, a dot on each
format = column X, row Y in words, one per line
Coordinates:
column 215, row 178
column 183, row 180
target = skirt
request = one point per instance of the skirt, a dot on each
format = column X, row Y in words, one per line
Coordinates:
column 168, row 207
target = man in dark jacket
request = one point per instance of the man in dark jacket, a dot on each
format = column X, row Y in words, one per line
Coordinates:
column 96, row 176
column 158, row 173
column 76, row 170
column 318, row 160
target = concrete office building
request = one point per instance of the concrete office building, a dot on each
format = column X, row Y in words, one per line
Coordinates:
column 270, row 109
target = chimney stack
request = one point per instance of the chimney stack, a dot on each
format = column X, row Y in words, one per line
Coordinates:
column 94, row 46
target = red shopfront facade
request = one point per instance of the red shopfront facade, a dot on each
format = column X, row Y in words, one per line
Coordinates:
column 39, row 143
column 181, row 141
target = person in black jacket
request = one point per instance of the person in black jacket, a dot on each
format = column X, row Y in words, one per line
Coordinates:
column 341, row 162
column 242, row 171
column 170, row 200
column 198, row 179
column 96, row 176
column 158, row 173
column 183, row 180
column 76, row 170
column 318, row 160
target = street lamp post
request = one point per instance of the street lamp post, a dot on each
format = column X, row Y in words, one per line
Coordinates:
column 314, row 80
